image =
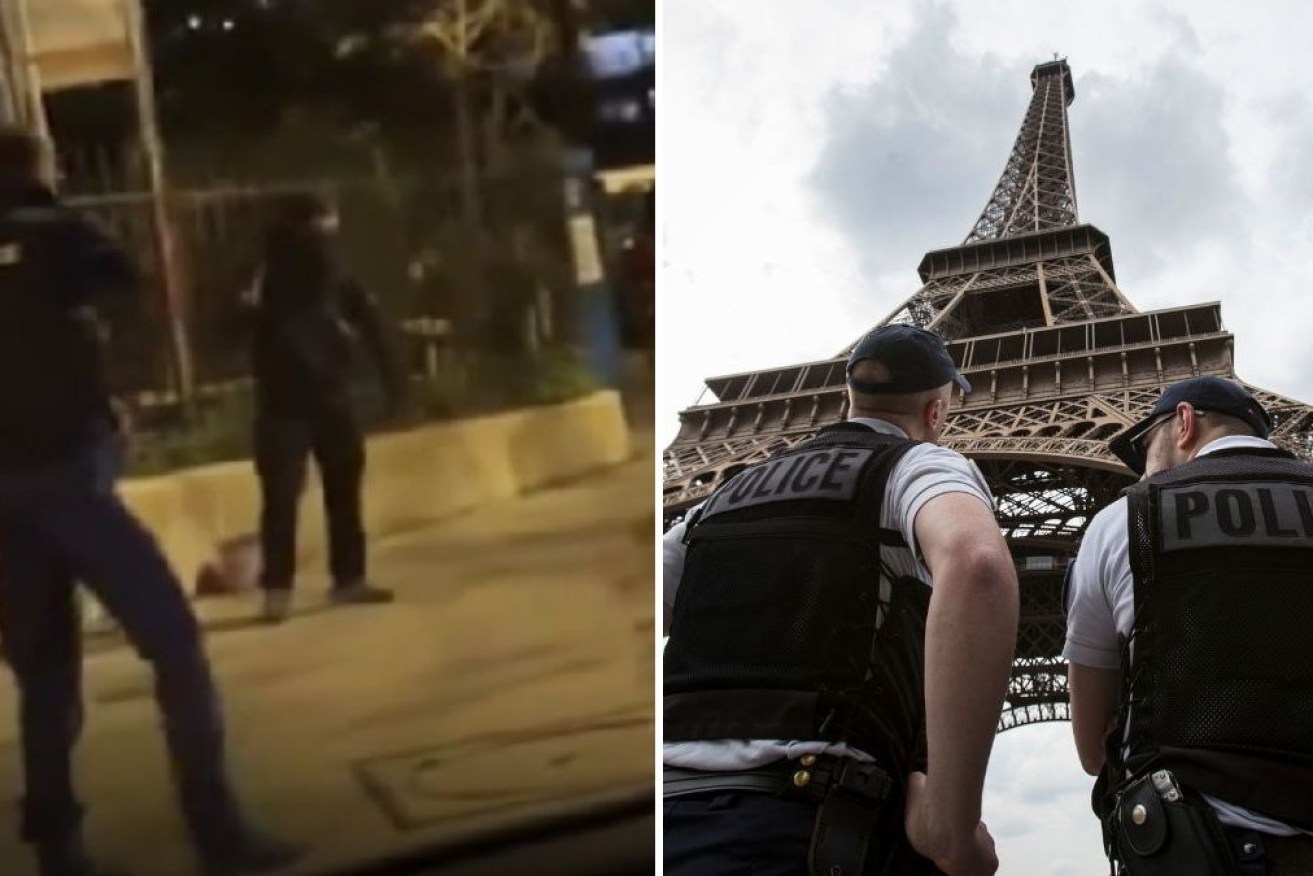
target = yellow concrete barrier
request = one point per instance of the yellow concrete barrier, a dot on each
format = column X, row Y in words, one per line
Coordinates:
column 415, row 476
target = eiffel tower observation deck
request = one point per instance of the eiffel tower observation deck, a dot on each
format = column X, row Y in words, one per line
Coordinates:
column 1059, row 358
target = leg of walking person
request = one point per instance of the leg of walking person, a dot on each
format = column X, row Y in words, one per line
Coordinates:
column 339, row 450
column 42, row 643
column 106, row 548
column 281, row 447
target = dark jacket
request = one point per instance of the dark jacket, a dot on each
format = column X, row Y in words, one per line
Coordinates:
column 57, row 270
column 311, row 320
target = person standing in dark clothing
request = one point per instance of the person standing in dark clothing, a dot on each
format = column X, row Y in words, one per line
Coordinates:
column 311, row 319
column 61, row 522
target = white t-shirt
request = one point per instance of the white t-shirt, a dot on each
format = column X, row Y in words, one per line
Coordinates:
column 1101, row 604
column 924, row 472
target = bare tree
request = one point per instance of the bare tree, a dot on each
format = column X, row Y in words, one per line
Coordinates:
column 504, row 42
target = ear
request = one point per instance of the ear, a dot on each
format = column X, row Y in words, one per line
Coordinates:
column 1188, row 430
column 934, row 413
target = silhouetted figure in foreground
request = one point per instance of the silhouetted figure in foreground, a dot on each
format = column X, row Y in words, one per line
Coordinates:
column 61, row 522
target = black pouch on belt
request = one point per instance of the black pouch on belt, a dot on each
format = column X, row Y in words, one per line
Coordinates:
column 847, row 818
column 1162, row 830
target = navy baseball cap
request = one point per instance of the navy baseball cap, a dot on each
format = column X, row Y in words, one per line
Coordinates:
column 917, row 360
column 1206, row 394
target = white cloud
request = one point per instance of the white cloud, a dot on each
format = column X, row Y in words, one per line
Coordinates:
column 1037, row 805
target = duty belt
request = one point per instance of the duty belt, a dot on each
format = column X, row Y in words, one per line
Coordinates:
column 850, row 796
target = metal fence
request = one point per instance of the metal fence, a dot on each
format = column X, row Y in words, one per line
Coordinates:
column 402, row 238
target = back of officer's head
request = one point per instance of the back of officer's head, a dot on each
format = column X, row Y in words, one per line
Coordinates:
column 1219, row 408
column 904, row 375
column 26, row 158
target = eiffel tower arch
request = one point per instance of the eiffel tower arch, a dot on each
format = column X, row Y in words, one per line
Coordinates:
column 1059, row 359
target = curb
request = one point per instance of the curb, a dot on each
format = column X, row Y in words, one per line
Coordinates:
column 414, row 477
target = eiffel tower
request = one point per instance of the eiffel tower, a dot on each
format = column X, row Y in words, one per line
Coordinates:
column 1059, row 359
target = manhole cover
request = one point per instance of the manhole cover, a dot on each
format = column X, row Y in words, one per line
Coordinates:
column 500, row 773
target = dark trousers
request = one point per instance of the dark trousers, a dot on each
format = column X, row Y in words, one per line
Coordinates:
column 283, row 445
column 732, row 833
column 1284, row 855
column 64, row 525
column 728, row 833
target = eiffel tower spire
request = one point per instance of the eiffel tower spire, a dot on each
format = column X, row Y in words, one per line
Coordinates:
column 1028, row 262
column 1037, row 191
column 1060, row 361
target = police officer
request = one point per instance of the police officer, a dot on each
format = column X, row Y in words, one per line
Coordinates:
column 61, row 522
column 810, row 661
column 310, row 316
column 1188, row 635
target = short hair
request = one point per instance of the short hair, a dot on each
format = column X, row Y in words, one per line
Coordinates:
column 1229, row 424
column 21, row 152
column 898, row 404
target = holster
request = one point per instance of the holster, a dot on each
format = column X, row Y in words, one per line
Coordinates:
column 847, row 819
column 1159, row 829
column 864, row 807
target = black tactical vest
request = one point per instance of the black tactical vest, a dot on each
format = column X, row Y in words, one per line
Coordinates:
column 1220, row 687
column 779, row 628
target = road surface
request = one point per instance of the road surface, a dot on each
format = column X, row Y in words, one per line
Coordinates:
column 510, row 685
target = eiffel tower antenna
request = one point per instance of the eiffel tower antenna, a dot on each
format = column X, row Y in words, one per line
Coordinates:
column 1038, row 189
column 1060, row 360
column 1033, row 205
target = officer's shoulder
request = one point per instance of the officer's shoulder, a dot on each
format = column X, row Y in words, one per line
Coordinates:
column 927, row 453
column 691, row 517
column 1112, row 514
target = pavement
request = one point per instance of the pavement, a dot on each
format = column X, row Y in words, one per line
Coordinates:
column 510, row 687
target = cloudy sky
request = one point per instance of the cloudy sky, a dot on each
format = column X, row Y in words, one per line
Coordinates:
column 811, row 153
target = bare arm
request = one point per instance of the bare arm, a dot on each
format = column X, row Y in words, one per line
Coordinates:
column 971, row 635
column 1093, row 711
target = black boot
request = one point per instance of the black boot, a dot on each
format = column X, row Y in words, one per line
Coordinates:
column 68, row 857
column 252, row 852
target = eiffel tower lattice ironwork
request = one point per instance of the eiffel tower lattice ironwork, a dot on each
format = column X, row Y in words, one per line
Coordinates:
column 1060, row 360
